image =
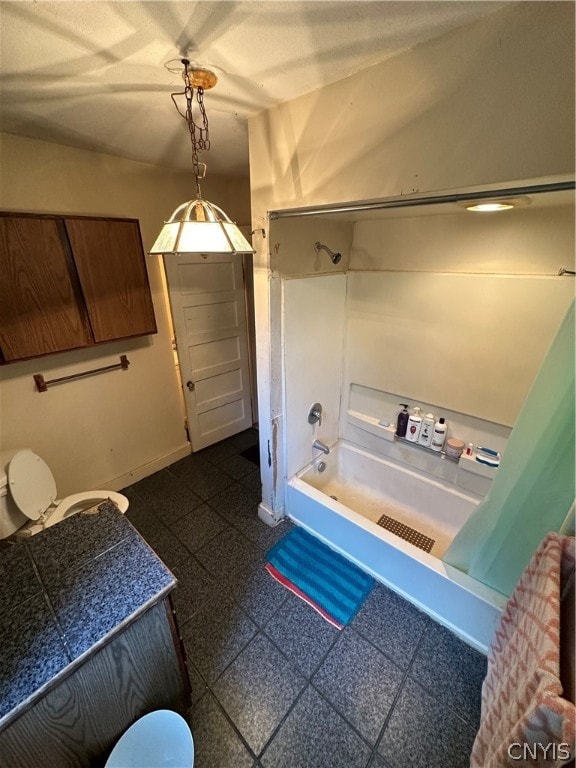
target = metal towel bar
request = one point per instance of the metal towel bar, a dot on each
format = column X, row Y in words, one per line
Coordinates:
column 42, row 385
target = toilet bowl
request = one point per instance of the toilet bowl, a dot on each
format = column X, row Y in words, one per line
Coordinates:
column 28, row 502
column 157, row 740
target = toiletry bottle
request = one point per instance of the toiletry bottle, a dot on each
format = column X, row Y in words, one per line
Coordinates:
column 439, row 435
column 414, row 425
column 427, row 430
column 402, row 423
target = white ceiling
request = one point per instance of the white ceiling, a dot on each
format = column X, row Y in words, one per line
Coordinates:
column 92, row 74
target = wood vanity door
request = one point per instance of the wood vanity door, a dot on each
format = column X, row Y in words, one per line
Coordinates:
column 40, row 310
column 82, row 714
column 110, row 262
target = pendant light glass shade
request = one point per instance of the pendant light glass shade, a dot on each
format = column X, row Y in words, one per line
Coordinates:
column 200, row 227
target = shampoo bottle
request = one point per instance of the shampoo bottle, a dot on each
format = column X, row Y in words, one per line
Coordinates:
column 439, row 435
column 402, row 423
column 414, row 425
column 427, row 430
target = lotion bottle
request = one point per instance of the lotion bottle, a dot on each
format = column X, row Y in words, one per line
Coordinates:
column 402, row 423
column 414, row 425
column 426, row 431
column 439, row 435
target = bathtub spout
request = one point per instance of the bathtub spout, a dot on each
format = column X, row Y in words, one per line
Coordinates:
column 321, row 446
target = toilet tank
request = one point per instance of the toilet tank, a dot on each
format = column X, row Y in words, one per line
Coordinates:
column 11, row 519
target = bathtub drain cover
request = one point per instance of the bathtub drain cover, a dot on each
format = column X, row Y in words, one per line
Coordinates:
column 406, row 533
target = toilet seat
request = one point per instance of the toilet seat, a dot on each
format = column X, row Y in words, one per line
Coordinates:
column 79, row 501
column 157, row 740
column 33, row 505
column 31, row 483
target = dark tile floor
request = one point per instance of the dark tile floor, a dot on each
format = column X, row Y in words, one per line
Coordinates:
column 273, row 684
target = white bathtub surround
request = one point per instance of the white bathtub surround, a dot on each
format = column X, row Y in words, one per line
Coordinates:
column 313, row 347
column 366, row 486
column 461, row 354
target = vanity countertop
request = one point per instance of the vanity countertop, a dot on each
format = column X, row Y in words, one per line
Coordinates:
column 65, row 593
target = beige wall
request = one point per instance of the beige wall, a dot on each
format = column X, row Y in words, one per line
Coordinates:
column 536, row 240
column 488, row 105
column 105, row 430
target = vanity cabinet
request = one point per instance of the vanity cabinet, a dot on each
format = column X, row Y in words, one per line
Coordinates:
column 88, row 641
column 76, row 723
column 69, row 282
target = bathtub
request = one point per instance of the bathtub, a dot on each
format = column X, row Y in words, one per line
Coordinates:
column 341, row 503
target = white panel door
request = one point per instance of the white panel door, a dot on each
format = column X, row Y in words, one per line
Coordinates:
column 207, row 297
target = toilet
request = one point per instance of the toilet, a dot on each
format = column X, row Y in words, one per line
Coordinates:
column 158, row 740
column 28, row 502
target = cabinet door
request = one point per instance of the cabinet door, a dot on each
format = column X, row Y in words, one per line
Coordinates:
column 110, row 263
column 39, row 308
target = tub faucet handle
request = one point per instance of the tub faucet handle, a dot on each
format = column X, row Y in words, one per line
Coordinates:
column 315, row 414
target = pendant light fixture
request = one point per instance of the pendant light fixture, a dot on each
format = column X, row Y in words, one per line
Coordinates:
column 198, row 226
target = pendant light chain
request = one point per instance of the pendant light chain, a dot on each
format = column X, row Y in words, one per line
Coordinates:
column 199, row 132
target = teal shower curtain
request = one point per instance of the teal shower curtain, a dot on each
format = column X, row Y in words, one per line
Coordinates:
column 534, row 487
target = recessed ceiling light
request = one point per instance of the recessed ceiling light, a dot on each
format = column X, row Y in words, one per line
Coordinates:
column 487, row 207
column 502, row 204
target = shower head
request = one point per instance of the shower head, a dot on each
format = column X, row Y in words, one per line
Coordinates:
column 334, row 256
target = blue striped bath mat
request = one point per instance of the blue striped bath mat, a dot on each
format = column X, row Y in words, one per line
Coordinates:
column 328, row 582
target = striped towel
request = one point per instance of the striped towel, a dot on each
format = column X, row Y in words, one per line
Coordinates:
column 525, row 719
column 327, row 581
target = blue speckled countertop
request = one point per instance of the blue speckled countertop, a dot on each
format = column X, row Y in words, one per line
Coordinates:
column 64, row 593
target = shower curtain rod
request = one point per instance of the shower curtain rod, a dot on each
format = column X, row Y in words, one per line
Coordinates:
column 403, row 202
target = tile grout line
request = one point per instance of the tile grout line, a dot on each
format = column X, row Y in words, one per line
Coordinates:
column 282, row 720
column 444, row 703
column 211, row 692
column 310, row 683
column 340, row 714
column 399, row 691
column 48, row 601
column 285, row 716
column 210, row 689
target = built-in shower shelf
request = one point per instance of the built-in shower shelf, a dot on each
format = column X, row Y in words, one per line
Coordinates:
column 388, row 433
column 439, row 454
column 370, row 424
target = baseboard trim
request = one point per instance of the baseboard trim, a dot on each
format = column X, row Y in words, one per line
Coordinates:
column 268, row 516
column 139, row 473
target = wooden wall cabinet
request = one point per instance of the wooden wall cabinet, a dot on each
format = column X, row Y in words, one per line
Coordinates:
column 68, row 282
